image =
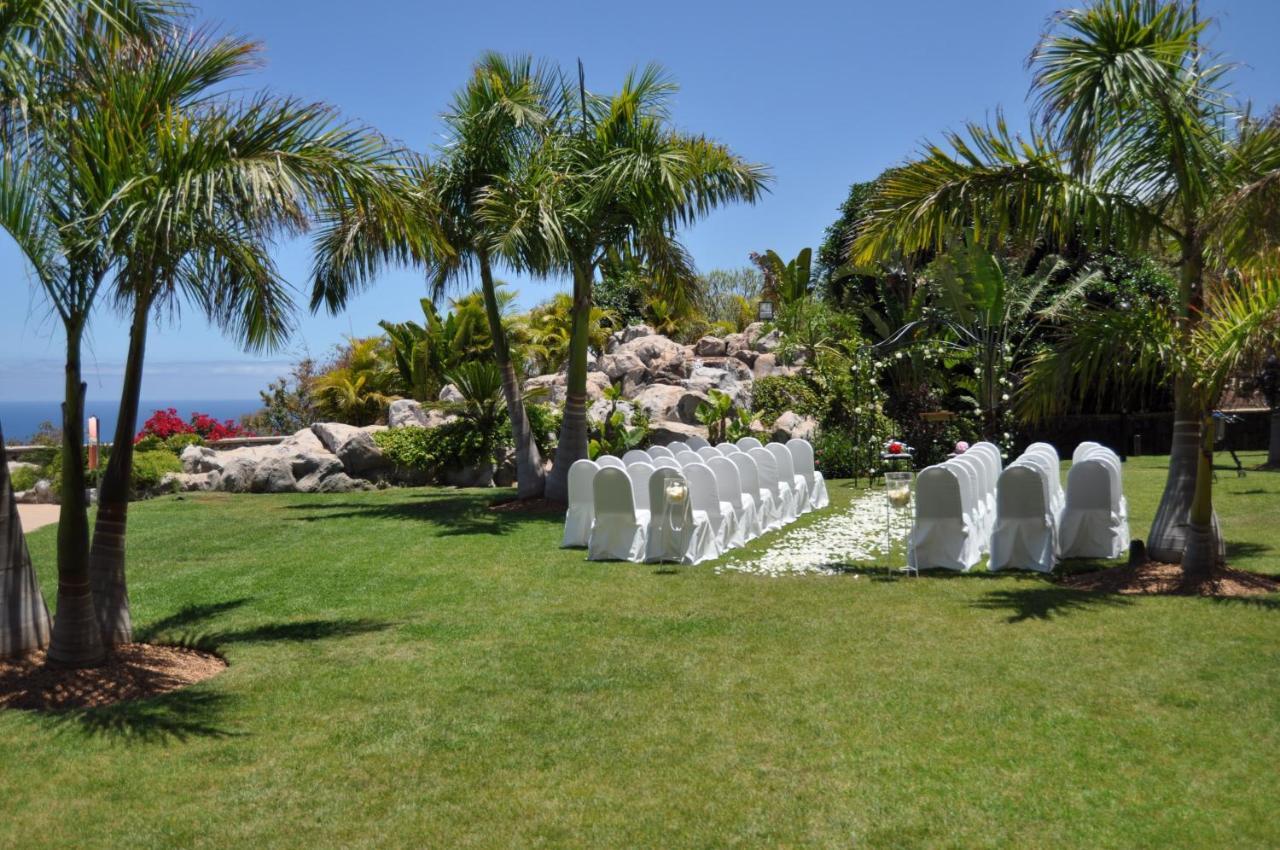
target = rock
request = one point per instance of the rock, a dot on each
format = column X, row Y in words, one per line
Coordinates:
column 625, row 368
column 661, row 402
column 237, row 475
column 436, row 418
column 746, row 356
column 321, row 464
column 733, row 343
column 42, row 492
column 340, row 483
column 406, row 411
column 653, row 351
column 753, row 332
column 450, row 393
column 768, row 342
column 597, row 383
column 767, row 366
column 480, row 475
column 703, row 379
column 791, row 424
column 662, row 433
column 353, row 446
column 598, row 410
column 505, row 473
column 197, row 459
column 687, row 410
column 190, row 482
column 303, row 441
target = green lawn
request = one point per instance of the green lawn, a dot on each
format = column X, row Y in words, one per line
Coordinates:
column 411, row 669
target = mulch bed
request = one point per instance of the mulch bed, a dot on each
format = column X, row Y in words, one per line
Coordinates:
column 133, row 671
column 1154, row 577
column 528, row 506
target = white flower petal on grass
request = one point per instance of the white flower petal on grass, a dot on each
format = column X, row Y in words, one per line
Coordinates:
column 826, row 546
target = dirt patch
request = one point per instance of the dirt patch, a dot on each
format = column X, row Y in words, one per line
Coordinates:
column 1167, row 579
column 528, row 506
column 133, row 671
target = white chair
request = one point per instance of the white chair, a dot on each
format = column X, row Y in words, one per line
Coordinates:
column 678, row 446
column 770, row 480
column 620, row 530
column 768, row 513
column 968, row 496
column 748, row 443
column 656, row 452
column 787, row 472
column 1083, row 450
column 727, row 449
column 695, row 442
column 639, row 473
column 1055, row 471
column 686, row 457
column 982, row 508
column 1093, row 523
column 606, row 461
column 666, row 463
column 1025, row 535
column 1052, row 476
column 942, row 534
column 581, row 512
column 802, row 458
column 693, row 543
column 708, row 452
column 706, row 497
column 729, row 483
column 636, row 456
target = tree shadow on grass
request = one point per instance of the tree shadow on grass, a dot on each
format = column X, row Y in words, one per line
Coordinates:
column 177, row 716
column 1245, row 549
column 1047, row 601
column 185, row 616
column 454, row 515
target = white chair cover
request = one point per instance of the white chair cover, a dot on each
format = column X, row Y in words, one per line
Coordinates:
column 1052, row 477
column 687, row 457
column 748, row 443
column 942, row 534
column 783, row 497
column 1025, row 536
column 636, row 456
column 620, row 531
column 729, row 483
column 678, row 446
column 768, row 514
column 1055, row 472
column 802, row 458
column 1093, row 524
column 605, row 461
column 787, row 472
column 706, row 497
column 666, row 463
column 976, row 470
column 581, row 512
column 695, row 442
column 708, row 452
column 1082, row 451
column 727, row 449
column 639, row 473
column 968, row 496
column 693, row 544
column 656, row 452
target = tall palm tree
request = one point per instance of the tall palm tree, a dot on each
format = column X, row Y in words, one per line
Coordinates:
column 204, row 184
column 614, row 175
column 1138, row 147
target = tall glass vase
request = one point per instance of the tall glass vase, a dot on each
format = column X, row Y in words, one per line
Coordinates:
column 897, row 497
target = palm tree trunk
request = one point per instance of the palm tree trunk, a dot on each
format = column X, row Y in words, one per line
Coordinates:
column 77, row 640
column 573, row 429
column 1203, row 553
column 107, row 555
column 531, row 479
column 24, row 618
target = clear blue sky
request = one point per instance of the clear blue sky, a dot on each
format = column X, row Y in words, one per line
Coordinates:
column 825, row 92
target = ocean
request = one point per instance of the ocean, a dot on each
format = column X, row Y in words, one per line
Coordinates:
column 21, row 419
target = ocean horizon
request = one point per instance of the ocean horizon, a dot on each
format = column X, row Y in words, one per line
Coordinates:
column 20, row 420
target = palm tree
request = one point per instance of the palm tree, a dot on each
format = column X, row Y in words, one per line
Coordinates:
column 204, row 185
column 613, row 175
column 24, row 618
column 1139, row 149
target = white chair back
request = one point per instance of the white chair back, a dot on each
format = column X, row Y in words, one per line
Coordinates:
column 695, row 442
column 708, row 452
column 749, row 443
column 968, row 486
column 801, row 457
column 703, row 491
column 727, row 449
column 1021, row 493
column 1089, row 487
column 678, row 446
column 658, row 495
column 782, row 457
column 748, row 474
column 636, row 456
column 613, row 496
column 639, row 474
column 938, row 494
column 581, row 476
column 610, row 461
column 767, row 469
column 687, row 457
column 728, row 481
column 1044, row 448
column 660, row 451
column 990, row 454
column 666, row 463
column 1082, row 451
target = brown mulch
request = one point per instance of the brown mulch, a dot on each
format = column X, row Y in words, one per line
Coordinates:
column 1154, row 577
column 528, row 506
column 133, row 671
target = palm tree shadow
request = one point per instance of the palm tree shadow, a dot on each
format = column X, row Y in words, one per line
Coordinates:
column 1047, row 601
column 454, row 515
column 176, row 716
column 186, row 616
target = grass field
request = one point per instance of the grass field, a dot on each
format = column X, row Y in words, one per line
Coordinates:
column 410, row 669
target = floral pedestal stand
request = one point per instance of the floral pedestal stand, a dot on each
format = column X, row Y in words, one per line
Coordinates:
column 897, row 496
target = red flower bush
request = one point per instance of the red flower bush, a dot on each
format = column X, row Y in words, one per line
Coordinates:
column 166, row 423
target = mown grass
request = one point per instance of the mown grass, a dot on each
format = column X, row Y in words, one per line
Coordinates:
column 411, row 669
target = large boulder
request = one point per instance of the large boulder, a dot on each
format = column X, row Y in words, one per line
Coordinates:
column 353, row 446
column 339, row 483
column 625, row 335
column 656, row 352
column 200, row 459
column 791, row 424
column 237, row 474
column 665, row 402
column 767, row 366
column 627, row 369
column 734, row 383
column 746, row 357
column 190, row 482
column 450, row 393
column 662, row 433
column 406, row 411
column 768, row 342
column 753, row 332
column 733, row 343
column 710, row 346
column 598, row 410
column 322, row 464
column 597, row 383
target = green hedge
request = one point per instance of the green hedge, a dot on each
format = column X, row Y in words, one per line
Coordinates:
column 148, row 468
column 453, row 445
column 773, row 396
column 23, row 478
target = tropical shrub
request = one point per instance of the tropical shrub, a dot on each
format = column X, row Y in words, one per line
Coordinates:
column 717, row 412
column 163, row 424
column 612, row 435
column 450, row 446
column 148, row 468
column 772, row 396
column 23, row 478
column 178, row 442
column 288, row 402
column 150, row 443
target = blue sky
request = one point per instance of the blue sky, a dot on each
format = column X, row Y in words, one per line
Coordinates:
column 824, row 91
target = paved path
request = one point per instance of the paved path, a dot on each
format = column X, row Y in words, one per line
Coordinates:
column 37, row 516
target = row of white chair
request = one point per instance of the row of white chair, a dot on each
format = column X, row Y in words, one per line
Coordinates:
column 1033, row 522
column 618, row 506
